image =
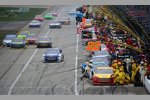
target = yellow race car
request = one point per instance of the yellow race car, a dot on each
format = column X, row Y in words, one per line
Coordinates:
column 103, row 76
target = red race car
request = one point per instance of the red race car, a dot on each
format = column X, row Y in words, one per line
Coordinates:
column 103, row 76
column 39, row 18
column 31, row 39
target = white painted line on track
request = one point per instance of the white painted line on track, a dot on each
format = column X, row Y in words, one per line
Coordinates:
column 12, row 86
column 47, row 33
column 10, row 90
column 76, row 67
column 55, row 20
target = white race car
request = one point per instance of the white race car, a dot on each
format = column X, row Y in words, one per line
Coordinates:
column 55, row 24
column 35, row 23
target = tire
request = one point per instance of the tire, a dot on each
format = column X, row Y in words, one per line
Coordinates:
column 62, row 58
column 37, row 46
column 50, row 45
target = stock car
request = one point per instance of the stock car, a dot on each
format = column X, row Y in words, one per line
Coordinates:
column 39, row 18
column 31, row 39
column 44, row 42
column 101, row 59
column 65, row 21
column 54, row 14
column 8, row 39
column 17, row 42
column 87, row 24
column 100, row 53
column 102, row 76
column 55, row 24
column 35, row 23
column 23, row 34
column 48, row 16
column 53, row 54
column 104, row 47
column 147, row 82
column 100, row 62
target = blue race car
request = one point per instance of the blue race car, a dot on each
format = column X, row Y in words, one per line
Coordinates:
column 8, row 39
column 53, row 54
column 17, row 42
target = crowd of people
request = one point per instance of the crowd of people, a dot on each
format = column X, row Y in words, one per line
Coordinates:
column 126, row 70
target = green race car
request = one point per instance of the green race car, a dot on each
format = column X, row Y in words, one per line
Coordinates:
column 23, row 34
column 48, row 16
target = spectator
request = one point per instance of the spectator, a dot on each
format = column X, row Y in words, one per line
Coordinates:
column 125, row 66
column 133, row 73
column 87, row 72
column 142, row 72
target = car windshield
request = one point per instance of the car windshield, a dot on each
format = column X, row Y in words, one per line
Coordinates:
column 31, row 36
column 100, row 64
column 24, row 33
column 44, row 39
column 54, row 22
column 52, row 51
column 104, row 59
column 49, row 14
column 103, row 52
column 104, row 71
column 88, row 20
column 17, row 40
column 34, row 21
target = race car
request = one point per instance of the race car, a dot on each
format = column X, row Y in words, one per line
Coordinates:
column 104, row 47
column 55, row 24
column 23, row 34
column 54, row 14
column 53, row 54
column 39, row 18
column 65, row 21
column 102, row 76
column 103, row 53
column 17, row 42
column 8, row 39
column 31, row 39
column 35, row 23
column 105, row 60
column 147, row 82
column 44, row 42
column 48, row 16
column 86, row 24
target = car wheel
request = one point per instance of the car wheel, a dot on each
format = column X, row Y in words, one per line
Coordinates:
column 37, row 46
column 49, row 46
column 62, row 59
